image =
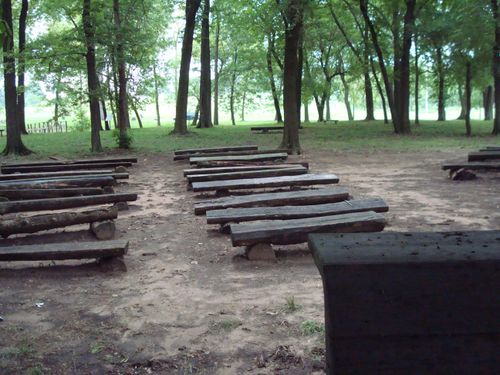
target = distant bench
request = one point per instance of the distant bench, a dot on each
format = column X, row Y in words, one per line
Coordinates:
column 266, row 129
column 1, row 132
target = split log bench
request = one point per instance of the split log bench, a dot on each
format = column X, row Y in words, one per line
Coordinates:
column 61, row 167
column 238, row 215
column 65, row 251
column 244, row 168
column 298, row 170
column 484, row 156
column 215, row 149
column 64, row 203
column 411, row 303
column 269, row 182
column 491, row 148
column 60, row 182
column 67, row 162
column 297, row 198
column 486, row 166
column 240, row 158
column 266, row 129
column 20, row 194
column 46, row 175
column 39, row 223
column 224, row 153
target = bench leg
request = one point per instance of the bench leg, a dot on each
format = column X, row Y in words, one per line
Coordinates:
column 260, row 251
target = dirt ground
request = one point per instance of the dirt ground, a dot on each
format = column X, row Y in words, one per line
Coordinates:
column 189, row 303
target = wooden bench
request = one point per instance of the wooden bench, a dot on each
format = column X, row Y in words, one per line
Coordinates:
column 241, row 158
column 483, row 156
column 472, row 166
column 210, row 150
column 268, row 182
column 61, row 167
column 21, row 194
column 189, row 172
column 225, row 153
column 410, row 303
column 266, row 129
column 297, row 198
column 66, row 162
column 288, row 232
column 45, row 175
column 298, row 170
column 64, row 251
column 64, row 203
column 59, row 182
column 238, row 215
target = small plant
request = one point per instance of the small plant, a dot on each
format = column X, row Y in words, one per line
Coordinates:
column 97, row 347
column 37, row 370
column 311, row 327
column 82, row 121
column 124, row 140
column 226, row 325
column 291, row 306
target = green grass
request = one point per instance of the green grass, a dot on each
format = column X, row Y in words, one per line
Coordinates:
column 291, row 305
column 357, row 136
column 311, row 327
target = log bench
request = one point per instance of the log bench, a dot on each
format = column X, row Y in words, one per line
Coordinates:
column 224, row 153
column 240, row 158
column 21, row 194
column 484, row 156
column 192, row 151
column 244, row 168
column 297, row 198
column 46, row 175
column 297, row 170
column 67, row 162
column 64, row 251
column 239, row 215
column 266, row 129
column 486, row 166
column 410, row 303
column 491, row 148
column 59, row 182
column 268, row 182
column 61, row 167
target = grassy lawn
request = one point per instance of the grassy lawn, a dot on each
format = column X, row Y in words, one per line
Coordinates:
column 360, row 136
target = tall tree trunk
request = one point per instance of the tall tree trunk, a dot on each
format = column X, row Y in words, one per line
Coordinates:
column 109, row 92
column 187, row 50
column 306, row 111
column 270, row 73
column 105, row 113
column 216, row 69
column 370, row 107
column 157, row 97
column 233, row 87
column 196, row 114
column 463, row 105
column 488, row 101
column 346, row 98
column 92, row 78
column 417, row 82
column 123, row 117
column 243, row 102
column 205, row 80
column 380, row 90
column 21, row 114
column 14, row 144
column 496, row 67
column 328, row 113
column 57, row 99
column 136, row 112
column 320, row 107
column 441, row 84
column 468, row 97
column 300, row 71
column 293, row 26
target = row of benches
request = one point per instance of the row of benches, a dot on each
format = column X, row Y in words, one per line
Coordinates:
column 55, row 185
column 487, row 159
column 273, row 217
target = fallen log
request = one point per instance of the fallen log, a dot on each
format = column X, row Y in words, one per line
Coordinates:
column 63, row 203
column 288, row 232
column 484, row 156
column 238, row 215
column 66, row 162
column 20, row 194
column 215, row 149
column 296, row 198
column 247, row 174
column 51, row 183
column 269, row 182
column 240, row 158
column 45, row 175
column 189, row 172
column 38, row 223
column 60, row 167
column 65, row 251
column 225, row 153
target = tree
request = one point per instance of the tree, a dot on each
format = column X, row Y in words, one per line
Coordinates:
column 496, row 66
column 205, row 80
column 14, row 144
column 20, row 79
column 187, row 50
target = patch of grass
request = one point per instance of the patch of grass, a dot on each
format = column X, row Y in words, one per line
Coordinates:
column 37, row 370
column 311, row 327
column 291, row 306
column 226, row 325
column 97, row 347
column 346, row 135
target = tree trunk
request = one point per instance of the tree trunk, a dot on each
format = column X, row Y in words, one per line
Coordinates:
column 58, row 97
column 441, row 84
column 205, row 80
column 233, row 87
column 306, row 112
column 320, row 107
column 111, row 99
column 123, row 117
column 14, row 144
column 274, row 92
column 300, row 71
column 196, row 115
column 488, row 101
column 417, row 83
column 328, row 113
column 346, row 98
column 21, row 116
column 468, row 97
column 293, row 26
column 157, row 97
column 463, row 105
column 243, row 100
column 187, row 49
column 216, row 70
column 105, row 113
column 496, row 67
column 380, row 90
column 136, row 112
column 92, row 79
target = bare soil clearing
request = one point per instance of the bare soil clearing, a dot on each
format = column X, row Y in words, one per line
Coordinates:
column 190, row 303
